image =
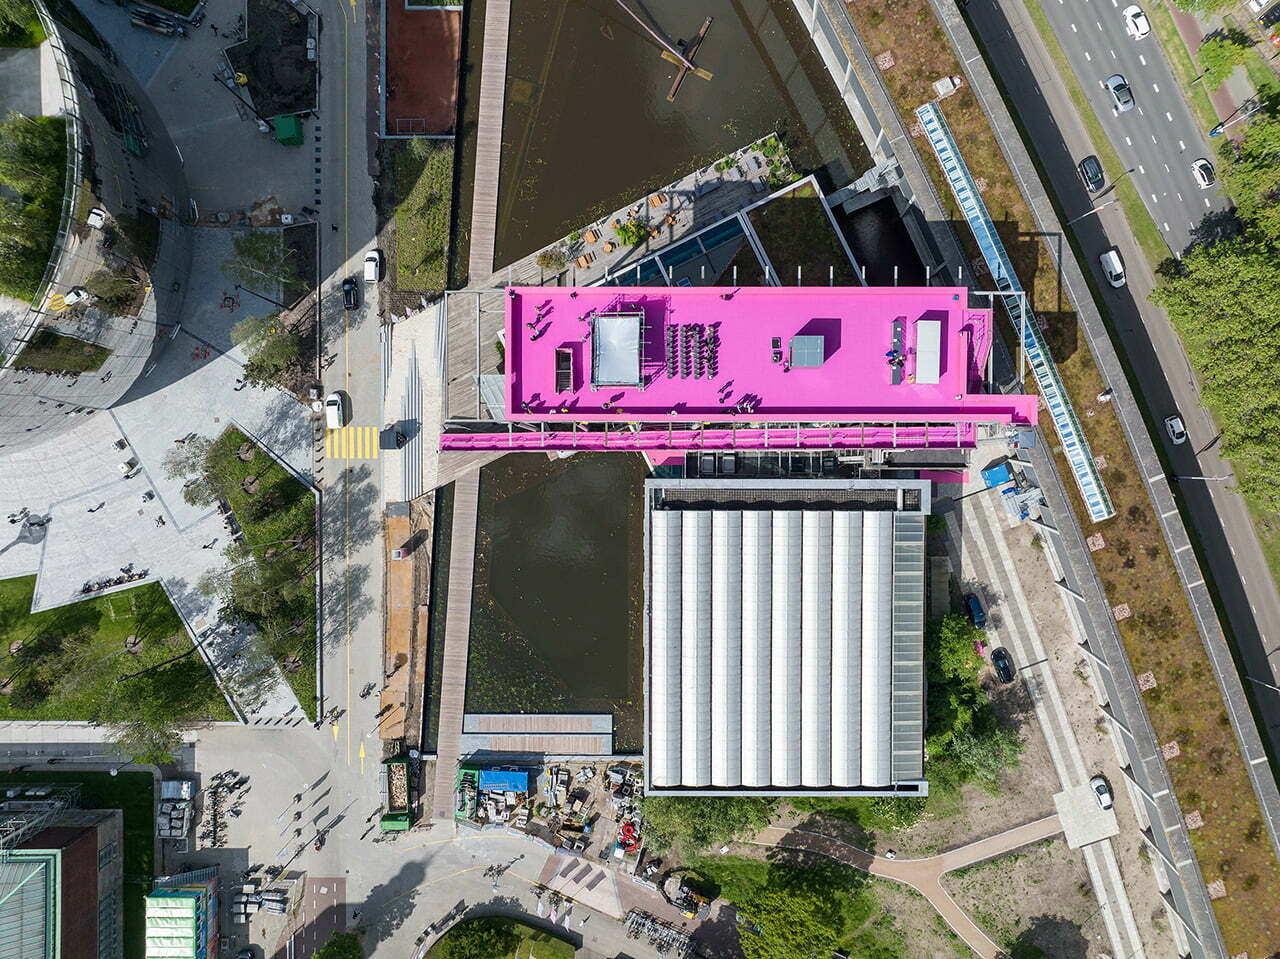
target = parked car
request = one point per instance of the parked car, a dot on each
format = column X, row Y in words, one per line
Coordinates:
column 1136, row 23
column 1002, row 662
column 1202, row 170
column 77, row 294
column 1177, row 432
column 1257, row 6
column 335, row 410
column 1102, row 792
column 973, row 606
column 373, row 266
column 1112, row 267
column 1121, row 93
column 350, row 294
column 1091, row 173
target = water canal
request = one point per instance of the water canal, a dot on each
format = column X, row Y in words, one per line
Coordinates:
column 587, row 126
column 558, row 595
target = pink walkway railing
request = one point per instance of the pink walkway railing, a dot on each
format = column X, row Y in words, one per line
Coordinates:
column 914, row 436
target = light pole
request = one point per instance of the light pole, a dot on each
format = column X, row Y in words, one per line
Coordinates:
column 1207, row 478
column 1217, row 131
column 1261, row 683
column 1097, row 209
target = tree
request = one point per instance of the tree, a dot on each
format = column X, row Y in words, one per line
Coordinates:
column 551, row 259
column 115, row 291
column 1202, row 6
column 632, row 232
column 1221, row 55
column 261, row 261
column 786, row 924
column 144, row 742
column 271, row 350
column 696, row 823
column 476, row 939
column 1251, row 175
column 189, row 462
column 33, row 155
column 951, row 642
column 341, row 945
column 981, row 754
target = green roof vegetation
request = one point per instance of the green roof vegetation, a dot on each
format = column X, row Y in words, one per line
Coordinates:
column 422, row 175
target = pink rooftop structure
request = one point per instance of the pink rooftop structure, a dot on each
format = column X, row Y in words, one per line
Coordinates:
column 684, row 368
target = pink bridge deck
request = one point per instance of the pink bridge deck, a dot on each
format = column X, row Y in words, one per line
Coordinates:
column 743, row 371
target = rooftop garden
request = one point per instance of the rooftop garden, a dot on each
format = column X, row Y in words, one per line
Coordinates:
column 1160, row 635
column 797, row 234
column 33, row 166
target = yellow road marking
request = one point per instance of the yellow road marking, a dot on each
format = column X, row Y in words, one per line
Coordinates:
column 352, row 443
column 334, row 726
column 362, row 759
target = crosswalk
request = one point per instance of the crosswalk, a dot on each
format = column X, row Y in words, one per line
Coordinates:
column 352, row 443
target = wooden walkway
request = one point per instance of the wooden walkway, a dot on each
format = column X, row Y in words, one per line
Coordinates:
column 457, row 632
column 493, row 88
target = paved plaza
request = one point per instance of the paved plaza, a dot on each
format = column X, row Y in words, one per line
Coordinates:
column 91, row 521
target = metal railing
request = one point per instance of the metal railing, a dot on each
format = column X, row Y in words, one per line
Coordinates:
column 1035, row 349
column 70, row 191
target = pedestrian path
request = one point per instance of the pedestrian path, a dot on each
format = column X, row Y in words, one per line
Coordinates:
column 493, row 87
column 923, row 875
column 352, row 443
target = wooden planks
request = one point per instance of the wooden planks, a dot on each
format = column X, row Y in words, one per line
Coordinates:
column 457, row 632
column 493, row 87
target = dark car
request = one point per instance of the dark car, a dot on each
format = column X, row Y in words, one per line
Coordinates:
column 350, row 294
column 1091, row 173
column 1002, row 662
column 973, row 607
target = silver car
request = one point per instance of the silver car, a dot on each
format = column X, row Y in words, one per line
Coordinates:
column 1102, row 792
column 1121, row 93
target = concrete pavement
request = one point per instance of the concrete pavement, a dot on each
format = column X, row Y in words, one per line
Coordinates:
column 1226, row 543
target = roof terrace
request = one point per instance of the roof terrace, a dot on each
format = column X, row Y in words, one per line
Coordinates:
column 821, row 355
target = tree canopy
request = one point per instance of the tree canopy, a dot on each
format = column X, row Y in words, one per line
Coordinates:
column 1221, row 54
column 476, row 939
column 695, row 823
column 783, row 924
column 1251, row 174
column 261, row 261
column 271, row 349
column 341, row 945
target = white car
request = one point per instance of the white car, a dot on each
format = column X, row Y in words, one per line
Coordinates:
column 96, row 218
column 1136, row 23
column 77, row 294
column 1257, row 6
column 1202, row 170
column 1112, row 267
column 335, row 410
column 1177, row 432
column 1102, row 792
column 373, row 266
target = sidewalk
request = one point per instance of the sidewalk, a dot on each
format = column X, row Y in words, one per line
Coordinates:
column 1227, row 98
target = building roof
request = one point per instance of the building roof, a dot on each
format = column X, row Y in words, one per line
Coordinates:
column 30, row 903
column 781, row 354
column 784, row 639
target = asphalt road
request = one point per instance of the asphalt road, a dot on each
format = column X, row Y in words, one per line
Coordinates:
column 1160, row 371
column 1159, row 138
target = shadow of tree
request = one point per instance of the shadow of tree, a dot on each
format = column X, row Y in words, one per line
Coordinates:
column 1050, row 936
column 389, row 905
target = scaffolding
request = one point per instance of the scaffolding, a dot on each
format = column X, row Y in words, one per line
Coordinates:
column 27, row 809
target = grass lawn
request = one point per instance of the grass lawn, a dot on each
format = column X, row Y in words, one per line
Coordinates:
column 423, row 184
column 1135, row 568
column 532, row 944
column 53, row 351
column 55, row 677
column 23, row 264
column 1143, row 226
column 795, row 232
column 134, row 794
column 293, row 515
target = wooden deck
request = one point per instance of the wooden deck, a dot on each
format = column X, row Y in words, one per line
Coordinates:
column 457, row 632
column 493, row 88
column 398, row 631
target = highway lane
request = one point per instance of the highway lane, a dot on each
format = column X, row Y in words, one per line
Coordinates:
column 1158, row 139
column 1160, row 370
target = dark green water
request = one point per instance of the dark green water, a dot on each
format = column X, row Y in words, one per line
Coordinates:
column 587, row 126
column 558, row 596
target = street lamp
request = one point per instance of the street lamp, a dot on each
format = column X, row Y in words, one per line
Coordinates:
column 1207, row 478
column 1217, row 131
column 1261, row 683
column 1097, row 209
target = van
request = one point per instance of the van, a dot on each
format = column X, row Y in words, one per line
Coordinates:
column 372, row 266
column 1112, row 267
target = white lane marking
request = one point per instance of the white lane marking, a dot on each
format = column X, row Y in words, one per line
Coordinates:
column 1166, row 227
column 1166, row 168
column 1142, row 171
column 1191, row 224
column 1168, row 116
column 1128, row 142
column 1153, row 138
column 1153, row 198
column 1141, row 58
column 1098, row 25
column 1181, row 145
column 1114, row 3
column 1140, row 113
column 1113, row 54
column 1073, row 28
column 1156, row 87
column 1207, row 204
column 1087, row 57
column 1179, row 197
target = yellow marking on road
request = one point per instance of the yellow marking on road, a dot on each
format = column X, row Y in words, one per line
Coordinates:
column 352, row 443
column 334, row 726
column 362, row 759
column 346, row 336
column 58, row 303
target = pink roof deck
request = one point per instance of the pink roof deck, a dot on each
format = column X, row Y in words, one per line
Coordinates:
column 740, row 341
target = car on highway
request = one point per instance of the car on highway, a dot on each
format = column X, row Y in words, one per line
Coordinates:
column 335, row 410
column 973, row 608
column 1202, row 170
column 1257, row 6
column 1112, row 267
column 350, row 294
column 1177, row 432
column 373, row 266
column 1121, row 93
column 1136, row 23
column 1002, row 663
column 1102, row 792
column 1090, row 170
